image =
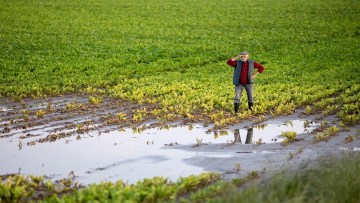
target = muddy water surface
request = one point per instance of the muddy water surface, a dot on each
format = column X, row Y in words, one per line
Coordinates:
column 126, row 154
column 85, row 140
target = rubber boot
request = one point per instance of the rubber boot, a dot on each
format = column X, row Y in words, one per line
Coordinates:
column 251, row 105
column 236, row 107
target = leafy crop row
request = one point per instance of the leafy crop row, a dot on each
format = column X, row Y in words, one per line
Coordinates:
column 303, row 185
column 20, row 188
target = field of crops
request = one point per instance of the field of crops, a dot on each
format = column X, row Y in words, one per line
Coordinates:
column 167, row 60
column 173, row 54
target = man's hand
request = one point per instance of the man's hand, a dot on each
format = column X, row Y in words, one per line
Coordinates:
column 234, row 58
column 254, row 76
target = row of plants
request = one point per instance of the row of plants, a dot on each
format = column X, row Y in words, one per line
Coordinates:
column 17, row 188
column 316, row 183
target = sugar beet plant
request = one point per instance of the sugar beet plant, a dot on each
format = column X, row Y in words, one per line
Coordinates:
column 158, row 189
column 173, row 53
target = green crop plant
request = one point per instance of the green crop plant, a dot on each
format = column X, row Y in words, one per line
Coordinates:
column 40, row 113
column 37, row 179
column 350, row 113
column 309, row 110
column 307, row 123
column 26, row 115
column 326, row 134
column 190, row 127
column 95, row 100
column 349, row 138
column 14, row 189
column 253, row 174
column 90, row 90
column 223, row 133
column 140, row 114
column 289, row 136
column 198, row 142
column 70, row 106
column 121, row 116
column 259, row 119
column 216, row 116
column 49, row 107
column 137, row 117
column 207, row 194
column 323, row 126
column 239, row 181
column 291, row 155
column 259, row 142
column 190, row 116
column 320, row 137
column 330, row 110
column 324, row 103
column 285, row 109
column 287, row 123
column 237, row 167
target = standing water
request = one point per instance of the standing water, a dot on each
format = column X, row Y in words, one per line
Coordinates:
column 129, row 154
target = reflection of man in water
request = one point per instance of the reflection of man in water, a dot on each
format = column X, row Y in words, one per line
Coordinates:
column 249, row 135
column 237, row 136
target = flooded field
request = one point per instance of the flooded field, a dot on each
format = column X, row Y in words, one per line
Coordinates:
column 82, row 142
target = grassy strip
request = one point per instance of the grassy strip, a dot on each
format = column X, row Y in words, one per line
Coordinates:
column 333, row 180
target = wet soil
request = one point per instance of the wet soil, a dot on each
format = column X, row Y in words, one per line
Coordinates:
column 69, row 134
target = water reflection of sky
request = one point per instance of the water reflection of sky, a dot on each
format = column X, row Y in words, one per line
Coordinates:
column 127, row 155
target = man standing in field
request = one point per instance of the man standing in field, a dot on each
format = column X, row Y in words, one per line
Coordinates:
column 244, row 77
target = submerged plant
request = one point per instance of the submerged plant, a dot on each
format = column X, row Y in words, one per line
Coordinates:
column 198, row 142
column 259, row 142
column 26, row 115
column 291, row 155
column 260, row 119
column 40, row 113
column 307, row 123
column 349, row 138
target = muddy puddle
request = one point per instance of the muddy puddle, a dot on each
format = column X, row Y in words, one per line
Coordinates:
column 131, row 154
column 76, row 136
